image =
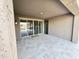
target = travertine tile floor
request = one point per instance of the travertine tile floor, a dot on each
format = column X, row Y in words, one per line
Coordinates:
column 47, row 47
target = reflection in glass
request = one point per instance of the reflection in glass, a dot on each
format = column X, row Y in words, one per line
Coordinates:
column 40, row 26
column 30, row 27
column 23, row 28
column 26, row 28
column 35, row 27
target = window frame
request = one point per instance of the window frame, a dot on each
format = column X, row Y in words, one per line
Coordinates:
column 39, row 20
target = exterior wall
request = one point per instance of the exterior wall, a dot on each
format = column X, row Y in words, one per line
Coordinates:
column 7, row 31
column 73, row 6
column 61, row 26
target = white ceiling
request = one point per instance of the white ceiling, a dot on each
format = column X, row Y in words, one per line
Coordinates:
column 39, row 8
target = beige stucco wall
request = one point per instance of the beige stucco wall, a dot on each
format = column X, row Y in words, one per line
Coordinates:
column 7, row 31
column 61, row 26
column 17, row 27
column 76, row 29
column 72, row 6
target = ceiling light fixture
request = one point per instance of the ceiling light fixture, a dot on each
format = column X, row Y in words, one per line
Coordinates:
column 41, row 13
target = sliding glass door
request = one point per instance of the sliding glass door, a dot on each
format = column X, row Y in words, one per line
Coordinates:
column 31, row 27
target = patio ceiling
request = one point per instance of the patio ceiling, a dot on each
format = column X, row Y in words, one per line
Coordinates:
column 39, row 8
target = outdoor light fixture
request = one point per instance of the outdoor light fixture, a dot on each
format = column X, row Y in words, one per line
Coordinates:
column 15, row 22
column 41, row 13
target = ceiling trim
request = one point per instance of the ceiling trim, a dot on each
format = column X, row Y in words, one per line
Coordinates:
column 32, row 17
column 61, row 15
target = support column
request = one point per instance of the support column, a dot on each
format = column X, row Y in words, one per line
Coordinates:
column 75, row 38
column 17, row 29
column 7, row 31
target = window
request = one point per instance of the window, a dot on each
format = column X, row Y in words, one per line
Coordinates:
column 30, row 27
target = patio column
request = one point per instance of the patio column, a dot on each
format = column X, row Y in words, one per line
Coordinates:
column 7, row 31
column 75, row 37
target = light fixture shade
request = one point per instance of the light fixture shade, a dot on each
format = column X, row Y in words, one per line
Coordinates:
column 41, row 13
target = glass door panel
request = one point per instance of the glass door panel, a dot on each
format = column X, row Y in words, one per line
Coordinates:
column 40, row 27
column 35, row 27
column 30, row 27
column 23, row 28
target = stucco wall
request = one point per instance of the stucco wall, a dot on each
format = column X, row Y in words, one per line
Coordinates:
column 17, row 27
column 76, row 29
column 7, row 31
column 61, row 26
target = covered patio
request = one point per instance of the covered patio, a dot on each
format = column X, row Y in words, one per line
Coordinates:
column 47, row 47
column 39, row 29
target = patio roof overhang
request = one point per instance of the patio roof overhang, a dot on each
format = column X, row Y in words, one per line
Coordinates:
column 72, row 5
